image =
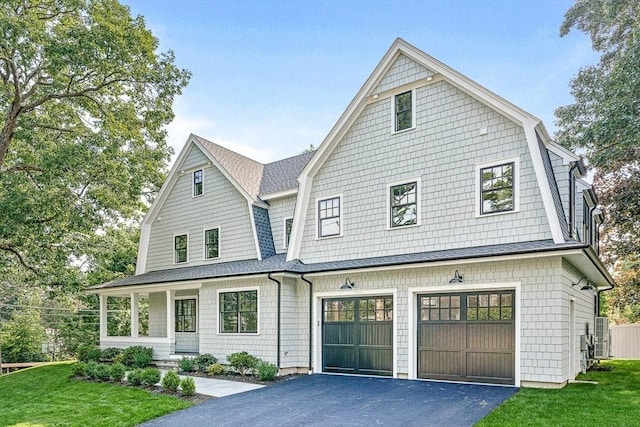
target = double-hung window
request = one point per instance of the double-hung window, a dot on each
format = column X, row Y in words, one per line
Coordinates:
column 180, row 248
column 197, row 183
column 185, row 315
column 239, row 312
column 403, row 111
column 212, row 243
column 403, row 200
column 288, row 223
column 329, row 217
column 498, row 188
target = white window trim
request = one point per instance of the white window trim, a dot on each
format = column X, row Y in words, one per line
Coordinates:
column 393, row 111
column 340, row 218
column 284, row 229
column 204, row 243
column 173, row 248
column 516, row 186
column 237, row 289
column 193, row 184
column 197, row 312
column 418, row 203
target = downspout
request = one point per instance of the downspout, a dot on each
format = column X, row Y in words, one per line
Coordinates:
column 310, row 322
column 279, row 318
column 572, row 202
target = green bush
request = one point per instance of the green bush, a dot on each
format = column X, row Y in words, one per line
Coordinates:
column 216, row 369
column 186, row 364
column 151, row 376
column 103, row 372
column 118, row 370
column 134, row 377
column 79, row 369
column 108, row 354
column 137, row 356
column 92, row 369
column 171, row 381
column 118, row 358
column 89, row 353
column 266, row 371
column 242, row 362
column 188, row 386
column 203, row 361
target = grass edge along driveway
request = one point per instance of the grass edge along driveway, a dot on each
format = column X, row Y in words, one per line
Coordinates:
column 47, row 396
column 614, row 401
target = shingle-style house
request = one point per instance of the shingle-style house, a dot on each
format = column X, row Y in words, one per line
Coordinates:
column 437, row 233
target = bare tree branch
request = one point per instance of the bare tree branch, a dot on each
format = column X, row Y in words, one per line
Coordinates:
column 21, row 260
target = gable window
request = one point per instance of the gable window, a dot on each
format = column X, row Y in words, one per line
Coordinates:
column 497, row 188
column 180, row 248
column 211, row 243
column 239, row 312
column 403, row 111
column 197, row 183
column 288, row 223
column 185, row 315
column 403, row 204
column 329, row 217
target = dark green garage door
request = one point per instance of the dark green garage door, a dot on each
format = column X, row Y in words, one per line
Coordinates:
column 467, row 337
column 357, row 335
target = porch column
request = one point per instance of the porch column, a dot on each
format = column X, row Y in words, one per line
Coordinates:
column 171, row 316
column 103, row 315
column 134, row 315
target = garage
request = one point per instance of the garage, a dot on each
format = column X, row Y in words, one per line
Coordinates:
column 357, row 335
column 468, row 336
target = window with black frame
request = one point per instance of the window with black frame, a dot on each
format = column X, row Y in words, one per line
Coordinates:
column 239, row 312
column 404, row 204
column 185, row 315
column 497, row 188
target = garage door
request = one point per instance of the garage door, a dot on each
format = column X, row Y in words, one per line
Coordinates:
column 467, row 337
column 357, row 335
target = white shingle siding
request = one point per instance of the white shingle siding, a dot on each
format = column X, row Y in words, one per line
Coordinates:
column 401, row 72
column 280, row 209
column 443, row 150
column 157, row 314
column 294, row 341
column 221, row 206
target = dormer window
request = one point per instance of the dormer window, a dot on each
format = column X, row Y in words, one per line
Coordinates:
column 197, row 183
column 403, row 111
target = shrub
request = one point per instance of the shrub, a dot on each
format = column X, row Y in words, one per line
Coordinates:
column 108, row 354
column 203, row 361
column 92, row 369
column 79, row 369
column 137, row 356
column 88, row 353
column 171, row 381
column 242, row 362
column 103, row 372
column 216, row 369
column 151, row 376
column 188, row 386
column 186, row 364
column 135, row 377
column 118, row 371
column 266, row 371
column 118, row 358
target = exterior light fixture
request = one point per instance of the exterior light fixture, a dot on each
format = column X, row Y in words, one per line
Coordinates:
column 457, row 278
column 348, row 284
column 587, row 284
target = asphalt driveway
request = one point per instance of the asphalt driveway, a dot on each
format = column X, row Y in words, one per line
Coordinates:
column 331, row 400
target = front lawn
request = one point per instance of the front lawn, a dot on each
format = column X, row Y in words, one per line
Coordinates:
column 47, row 396
column 614, row 401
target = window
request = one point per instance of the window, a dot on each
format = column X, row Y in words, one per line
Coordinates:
column 403, row 204
column 239, row 312
column 403, row 111
column 329, row 217
column 493, row 306
column 180, row 248
column 288, row 223
column 586, row 221
column 497, row 188
column 185, row 315
column 211, row 243
column 197, row 183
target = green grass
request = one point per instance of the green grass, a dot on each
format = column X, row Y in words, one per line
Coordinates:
column 46, row 396
column 614, row 401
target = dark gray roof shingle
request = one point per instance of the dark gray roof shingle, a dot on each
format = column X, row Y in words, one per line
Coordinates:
column 555, row 193
column 282, row 175
column 263, row 231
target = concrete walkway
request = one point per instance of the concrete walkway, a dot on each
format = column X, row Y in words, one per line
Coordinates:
column 219, row 388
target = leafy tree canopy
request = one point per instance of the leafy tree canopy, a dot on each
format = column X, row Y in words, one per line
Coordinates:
column 85, row 97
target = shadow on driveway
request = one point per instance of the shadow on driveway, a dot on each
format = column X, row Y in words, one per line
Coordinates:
column 331, row 400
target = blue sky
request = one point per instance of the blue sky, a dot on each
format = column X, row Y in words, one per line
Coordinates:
column 272, row 77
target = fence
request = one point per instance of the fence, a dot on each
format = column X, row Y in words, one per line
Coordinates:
column 625, row 341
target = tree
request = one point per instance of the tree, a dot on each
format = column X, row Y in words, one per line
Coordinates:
column 85, row 98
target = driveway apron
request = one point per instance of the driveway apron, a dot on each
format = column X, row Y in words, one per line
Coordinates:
column 332, row 400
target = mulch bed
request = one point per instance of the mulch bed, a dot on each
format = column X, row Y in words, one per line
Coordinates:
column 231, row 376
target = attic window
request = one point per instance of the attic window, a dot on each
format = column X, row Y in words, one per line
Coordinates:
column 197, row 183
column 403, row 111
column 498, row 187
